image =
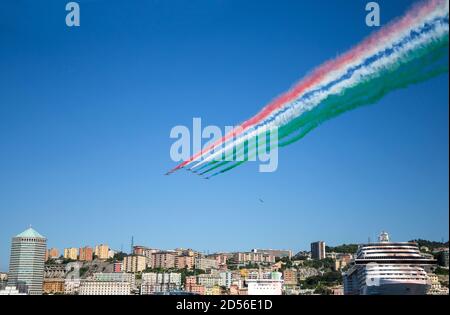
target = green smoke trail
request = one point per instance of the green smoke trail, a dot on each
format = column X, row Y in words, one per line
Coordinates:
column 416, row 66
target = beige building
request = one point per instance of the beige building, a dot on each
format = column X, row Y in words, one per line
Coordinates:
column 164, row 260
column 205, row 263
column 220, row 258
column 435, row 287
column 102, row 251
column 182, row 262
column 134, row 263
column 290, row 277
column 105, row 288
column 209, row 280
column 250, row 257
column 71, row 253
column 213, row 290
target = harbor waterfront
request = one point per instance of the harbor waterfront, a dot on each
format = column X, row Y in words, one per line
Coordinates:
column 384, row 267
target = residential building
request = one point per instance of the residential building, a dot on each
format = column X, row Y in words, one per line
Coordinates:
column 102, row 251
column 196, row 289
column 238, row 290
column 226, row 279
column 278, row 253
column 205, row 263
column 318, row 250
column 160, row 282
column 182, row 262
column 89, row 287
column 290, row 277
column 209, row 280
column 114, row 276
column 266, row 284
column 164, row 260
column 331, row 255
column 221, row 259
column 71, row 286
column 52, row 253
column 71, row 253
column 144, row 251
column 53, row 286
column 254, row 258
column 215, row 290
column 117, row 266
column 341, row 261
column 27, row 259
column 86, row 253
column 134, row 263
column 192, row 286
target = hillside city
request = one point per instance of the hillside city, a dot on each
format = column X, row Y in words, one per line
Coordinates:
column 100, row 270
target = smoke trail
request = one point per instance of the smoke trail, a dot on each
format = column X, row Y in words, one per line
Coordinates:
column 407, row 51
column 417, row 66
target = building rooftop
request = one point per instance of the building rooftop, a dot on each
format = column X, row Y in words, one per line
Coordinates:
column 30, row 232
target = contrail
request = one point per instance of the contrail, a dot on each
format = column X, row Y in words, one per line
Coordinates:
column 409, row 50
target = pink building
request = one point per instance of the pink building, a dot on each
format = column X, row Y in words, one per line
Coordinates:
column 117, row 266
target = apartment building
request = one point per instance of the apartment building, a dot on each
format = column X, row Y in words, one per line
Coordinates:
column 134, row 263
column 102, row 251
column 209, row 280
column 290, row 277
column 205, row 263
column 52, row 253
column 71, row 253
column 90, row 287
column 182, row 262
column 278, row 253
column 86, row 253
column 254, row 258
column 160, row 282
column 164, row 260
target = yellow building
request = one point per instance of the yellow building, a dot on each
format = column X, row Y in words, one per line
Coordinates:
column 134, row 263
column 71, row 253
column 101, row 251
column 244, row 273
column 215, row 290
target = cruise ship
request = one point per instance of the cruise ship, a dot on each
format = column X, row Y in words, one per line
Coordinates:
column 388, row 268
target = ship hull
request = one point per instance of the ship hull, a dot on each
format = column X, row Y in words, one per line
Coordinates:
column 395, row 288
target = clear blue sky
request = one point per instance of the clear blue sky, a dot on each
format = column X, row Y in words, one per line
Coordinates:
column 85, row 117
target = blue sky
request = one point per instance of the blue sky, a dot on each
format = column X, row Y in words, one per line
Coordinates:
column 85, row 117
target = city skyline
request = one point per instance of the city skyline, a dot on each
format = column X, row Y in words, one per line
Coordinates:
column 130, row 249
column 86, row 115
column 381, row 267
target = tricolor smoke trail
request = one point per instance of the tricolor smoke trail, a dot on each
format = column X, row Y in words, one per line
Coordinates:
column 410, row 50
